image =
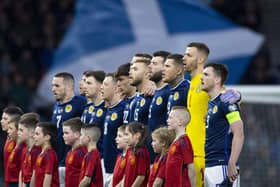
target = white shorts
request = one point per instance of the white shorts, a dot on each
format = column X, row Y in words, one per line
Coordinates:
column 108, row 177
column 61, row 173
column 214, row 176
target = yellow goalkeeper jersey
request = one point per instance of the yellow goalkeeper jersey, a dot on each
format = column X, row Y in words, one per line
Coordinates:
column 197, row 105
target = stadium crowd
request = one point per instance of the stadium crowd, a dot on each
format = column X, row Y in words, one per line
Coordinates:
column 27, row 45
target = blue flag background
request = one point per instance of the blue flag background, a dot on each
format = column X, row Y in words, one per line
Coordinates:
column 105, row 34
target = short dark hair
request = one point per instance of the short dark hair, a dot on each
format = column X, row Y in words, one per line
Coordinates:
column 163, row 54
column 67, row 77
column 29, row 120
column 92, row 130
column 202, row 47
column 75, row 124
column 48, row 129
column 98, row 75
column 143, row 55
column 220, row 70
column 112, row 75
column 177, row 58
column 85, row 72
column 123, row 70
column 13, row 111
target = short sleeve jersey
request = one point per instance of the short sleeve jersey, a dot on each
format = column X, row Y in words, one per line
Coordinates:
column 158, row 108
column 126, row 112
column 46, row 163
column 132, row 105
column 87, row 113
column 91, row 167
column 178, row 95
column 113, row 120
column 98, row 117
column 119, row 169
column 141, row 111
column 138, row 163
column 73, row 165
column 8, row 148
column 179, row 155
column 218, row 135
column 61, row 113
column 14, row 162
column 158, row 169
column 29, row 161
column 157, row 115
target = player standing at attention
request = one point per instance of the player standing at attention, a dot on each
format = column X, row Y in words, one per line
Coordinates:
column 75, row 156
column 66, row 107
column 158, row 106
column 173, row 74
column 92, row 86
column 195, row 57
column 141, row 56
column 113, row 120
column 82, row 84
column 224, row 131
column 162, row 139
column 46, row 170
column 127, row 91
column 9, row 113
column 139, row 77
column 91, row 171
column 179, row 170
column 137, row 170
column 95, row 111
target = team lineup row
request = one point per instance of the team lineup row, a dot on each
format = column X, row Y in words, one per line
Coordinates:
column 111, row 100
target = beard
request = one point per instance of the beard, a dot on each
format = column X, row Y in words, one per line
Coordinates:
column 156, row 77
column 135, row 82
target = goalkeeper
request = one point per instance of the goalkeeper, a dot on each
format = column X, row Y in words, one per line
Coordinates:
column 195, row 57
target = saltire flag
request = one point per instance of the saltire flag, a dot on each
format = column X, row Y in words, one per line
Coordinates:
column 105, row 34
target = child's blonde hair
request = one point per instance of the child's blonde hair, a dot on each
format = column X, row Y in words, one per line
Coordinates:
column 164, row 135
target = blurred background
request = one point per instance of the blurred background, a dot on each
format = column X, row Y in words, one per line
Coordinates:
column 31, row 31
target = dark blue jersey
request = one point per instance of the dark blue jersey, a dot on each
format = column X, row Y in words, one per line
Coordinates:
column 61, row 113
column 87, row 113
column 178, row 95
column 126, row 117
column 98, row 117
column 113, row 120
column 141, row 111
column 157, row 115
column 218, row 135
column 132, row 105
column 158, row 108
